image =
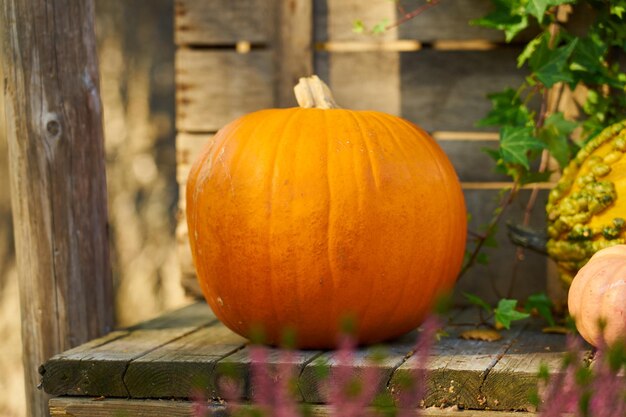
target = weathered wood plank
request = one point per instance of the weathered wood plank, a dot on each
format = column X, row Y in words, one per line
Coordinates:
column 464, row 373
column 91, row 407
column 456, row 368
column 189, row 280
column 471, row 162
column 375, row 364
column 513, row 379
column 364, row 361
column 88, row 407
column 82, row 407
column 215, row 87
column 438, row 90
column 325, row 411
column 58, row 182
column 380, row 71
column 446, row 90
column 193, row 315
column 530, row 277
column 448, row 20
column 99, row 370
column 294, row 48
column 239, row 364
column 188, row 148
column 184, row 366
column 334, row 20
column 200, row 22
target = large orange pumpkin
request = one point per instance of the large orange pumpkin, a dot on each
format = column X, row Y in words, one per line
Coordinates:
column 299, row 217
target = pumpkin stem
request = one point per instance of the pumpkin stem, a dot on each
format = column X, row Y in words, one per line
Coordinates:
column 311, row 92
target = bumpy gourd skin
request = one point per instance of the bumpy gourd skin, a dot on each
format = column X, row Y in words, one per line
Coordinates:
column 585, row 211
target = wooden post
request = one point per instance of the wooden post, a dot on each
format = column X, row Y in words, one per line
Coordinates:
column 58, row 186
column 294, row 47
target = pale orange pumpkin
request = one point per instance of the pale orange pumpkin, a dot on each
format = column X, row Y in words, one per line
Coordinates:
column 299, row 217
column 598, row 294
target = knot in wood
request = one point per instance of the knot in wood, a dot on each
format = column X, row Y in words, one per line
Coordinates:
column 53, row 127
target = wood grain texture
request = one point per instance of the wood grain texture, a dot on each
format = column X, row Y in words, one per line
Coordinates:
column 58, row 185
column 182, row 355
column 530, row 277
column 238, row 365
column 471, row 162
column 374, row 365
column 200, row 22
column 293, row 47
column 514, row 378
column 88, row 407
column 215, row 87
column 334, row 20
column 448, row 20
column 447, row 90
column 380, row 71
column 99, row 367
column 184, row 366
column 438, row 90
column 188, row 148
column 456, row 368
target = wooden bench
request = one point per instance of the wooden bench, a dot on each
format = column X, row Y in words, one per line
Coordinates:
column 156, row 368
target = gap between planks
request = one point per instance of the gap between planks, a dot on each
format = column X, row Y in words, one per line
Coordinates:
column 406, row 45
column 241, row 47
column 497, row 185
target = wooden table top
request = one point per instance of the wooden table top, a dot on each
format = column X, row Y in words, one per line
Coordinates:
column 184, row 351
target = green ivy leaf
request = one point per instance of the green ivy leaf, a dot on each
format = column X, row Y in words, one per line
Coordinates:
column 507, row 109
column 477, row 301
column 482, row 258
column 542, row 304
column 531, row 177
column 490, row 240
column 618, row 8
column 529, row 49
column 550, row 65
column 588, row 56
column 358, row 26
column 508, row 17
column 555, row 134
column 380, row 27
column 493, row 153
column 537, row 8
column 506, row 313
column 515, row 143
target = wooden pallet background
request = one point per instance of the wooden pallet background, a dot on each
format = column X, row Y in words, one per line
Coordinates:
column 235, row 57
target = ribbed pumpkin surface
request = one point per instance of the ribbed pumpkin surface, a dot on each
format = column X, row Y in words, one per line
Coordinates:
column 598, row 293
column 300, row 217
